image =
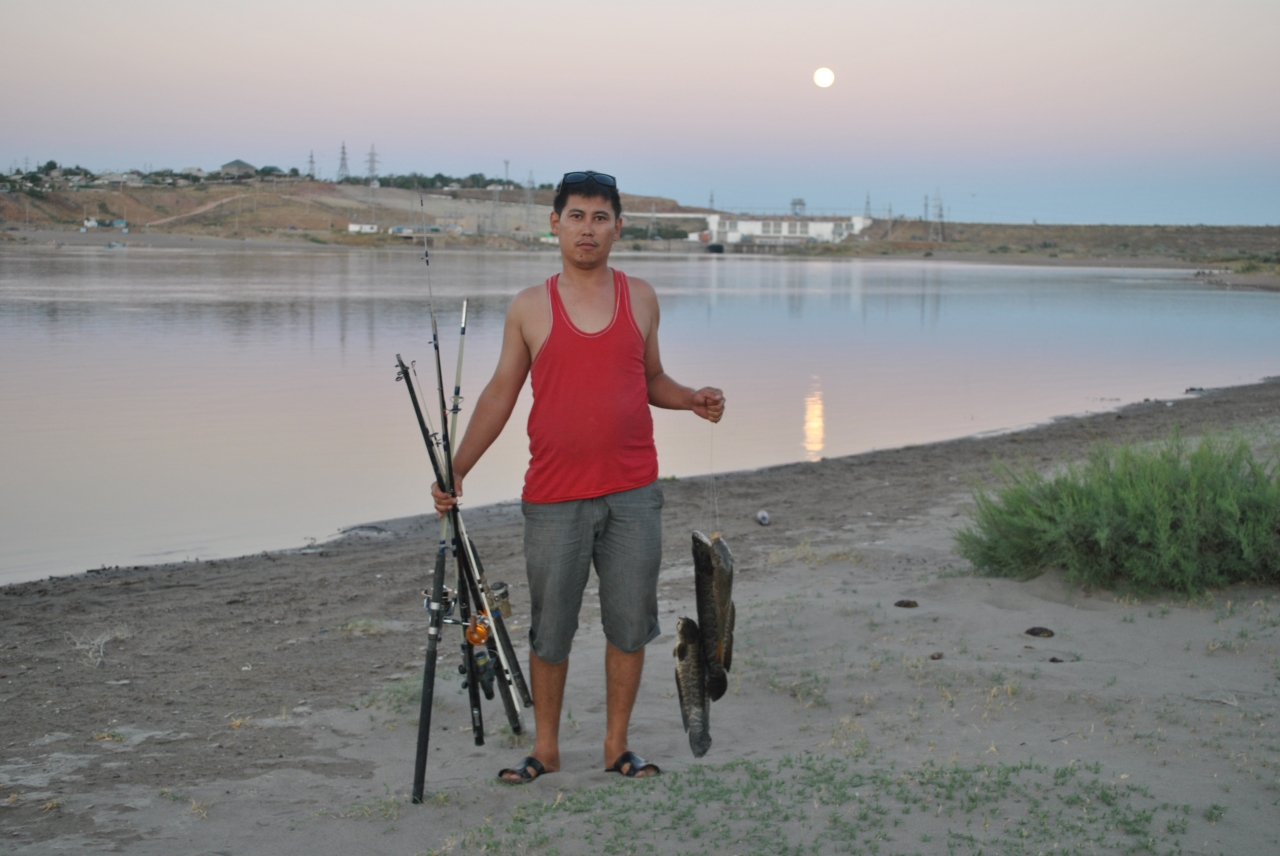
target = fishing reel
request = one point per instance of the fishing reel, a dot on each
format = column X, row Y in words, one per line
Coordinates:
column 447, row 601
column 484, row 671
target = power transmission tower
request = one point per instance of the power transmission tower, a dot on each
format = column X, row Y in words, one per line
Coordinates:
column 797, row 207
column 937, row 228
column 866, row 211
column 889, row 234
column 652, row 219
column 528, row 202
column 926, row 208
column 343, row 172
column 372, row 160
column 712, row 203
column 506, row 174
column 311, row 165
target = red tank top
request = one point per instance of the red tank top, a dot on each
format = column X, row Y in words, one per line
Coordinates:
column 590, row 430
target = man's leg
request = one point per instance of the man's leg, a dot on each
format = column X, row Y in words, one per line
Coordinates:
column 557, row 547
column 627, row 559
column 622, row 679
column 546, row 682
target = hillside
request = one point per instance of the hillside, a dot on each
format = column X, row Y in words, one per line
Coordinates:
column 320, row 212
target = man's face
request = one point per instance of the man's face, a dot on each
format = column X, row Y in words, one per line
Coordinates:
column 587, row 230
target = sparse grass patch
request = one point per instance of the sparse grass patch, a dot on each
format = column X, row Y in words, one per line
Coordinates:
column 380, row 808
column 398, row 696
column 804, row 552
column 1137, row 518
column 817, row 804
column 362, row 627
column 512, row 740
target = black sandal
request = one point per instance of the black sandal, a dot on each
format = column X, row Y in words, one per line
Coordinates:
column 635, row 765
column 521, row 771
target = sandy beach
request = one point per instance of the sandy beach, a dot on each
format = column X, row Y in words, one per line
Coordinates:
column 265, row 704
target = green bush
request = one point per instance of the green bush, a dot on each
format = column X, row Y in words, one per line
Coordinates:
column 1136, row 518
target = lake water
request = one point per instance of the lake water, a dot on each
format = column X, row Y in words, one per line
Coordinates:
column 163, row 405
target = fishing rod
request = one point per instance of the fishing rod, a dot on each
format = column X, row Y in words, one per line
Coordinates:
column 478, row 611
column 474, row 634
column 479, row 590
column 440, row 606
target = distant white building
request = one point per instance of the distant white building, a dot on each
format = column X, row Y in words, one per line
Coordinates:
column 758, row 229
column 362, row 228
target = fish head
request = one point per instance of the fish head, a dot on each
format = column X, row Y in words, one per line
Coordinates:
column 686, row 633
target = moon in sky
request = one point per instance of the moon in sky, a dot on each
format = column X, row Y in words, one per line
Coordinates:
column 824, row 77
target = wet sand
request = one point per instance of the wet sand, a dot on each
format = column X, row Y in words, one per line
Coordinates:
column 264, row 704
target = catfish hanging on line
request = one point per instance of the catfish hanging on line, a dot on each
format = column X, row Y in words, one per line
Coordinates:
column 704, row 650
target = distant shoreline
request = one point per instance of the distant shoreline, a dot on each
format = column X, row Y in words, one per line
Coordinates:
column 1217, row 275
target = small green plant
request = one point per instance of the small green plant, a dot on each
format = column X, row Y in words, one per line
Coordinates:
column 1214, row 813
column 400, row 696
column 381, row 808
column 363, row 627
column 1136, row 518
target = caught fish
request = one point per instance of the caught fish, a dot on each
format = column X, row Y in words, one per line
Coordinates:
column 713, row 584
column 691, row 683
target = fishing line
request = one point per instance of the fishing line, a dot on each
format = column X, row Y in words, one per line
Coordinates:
column 711, row 465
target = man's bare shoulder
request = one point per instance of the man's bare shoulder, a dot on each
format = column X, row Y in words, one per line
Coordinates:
column 641, row 290
column 531, row 299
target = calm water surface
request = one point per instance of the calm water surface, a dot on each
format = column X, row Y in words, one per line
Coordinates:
column 163, row 405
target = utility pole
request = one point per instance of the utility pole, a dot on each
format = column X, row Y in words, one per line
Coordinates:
column 866, row 211
column 652, row 219
column 506, row 174
column 889, row 234
column 712, row 203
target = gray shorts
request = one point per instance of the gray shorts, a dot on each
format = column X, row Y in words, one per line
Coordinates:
column 620, row 532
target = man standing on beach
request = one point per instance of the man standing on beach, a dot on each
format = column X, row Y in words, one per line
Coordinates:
column 589, row 337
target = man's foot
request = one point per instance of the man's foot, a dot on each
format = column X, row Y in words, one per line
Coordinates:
column 524, row 772
column 633, row 766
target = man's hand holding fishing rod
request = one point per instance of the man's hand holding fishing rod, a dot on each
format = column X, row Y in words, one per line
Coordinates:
column 588, row 337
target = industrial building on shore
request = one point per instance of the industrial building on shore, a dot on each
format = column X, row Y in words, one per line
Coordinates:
column 778, row 229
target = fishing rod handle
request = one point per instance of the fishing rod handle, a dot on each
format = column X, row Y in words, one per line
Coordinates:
column 428, row 681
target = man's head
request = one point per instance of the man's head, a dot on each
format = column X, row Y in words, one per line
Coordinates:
column 587, row 219
column 589, row 185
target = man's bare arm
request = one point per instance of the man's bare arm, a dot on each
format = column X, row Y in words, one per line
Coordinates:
column 664, row 391
column 493, row 407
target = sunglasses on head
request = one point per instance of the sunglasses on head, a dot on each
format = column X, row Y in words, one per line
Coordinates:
column 579, row 177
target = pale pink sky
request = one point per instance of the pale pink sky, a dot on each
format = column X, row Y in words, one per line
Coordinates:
column 1120, row 111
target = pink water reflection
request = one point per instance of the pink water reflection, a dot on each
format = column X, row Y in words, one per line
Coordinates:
column 161, row 406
